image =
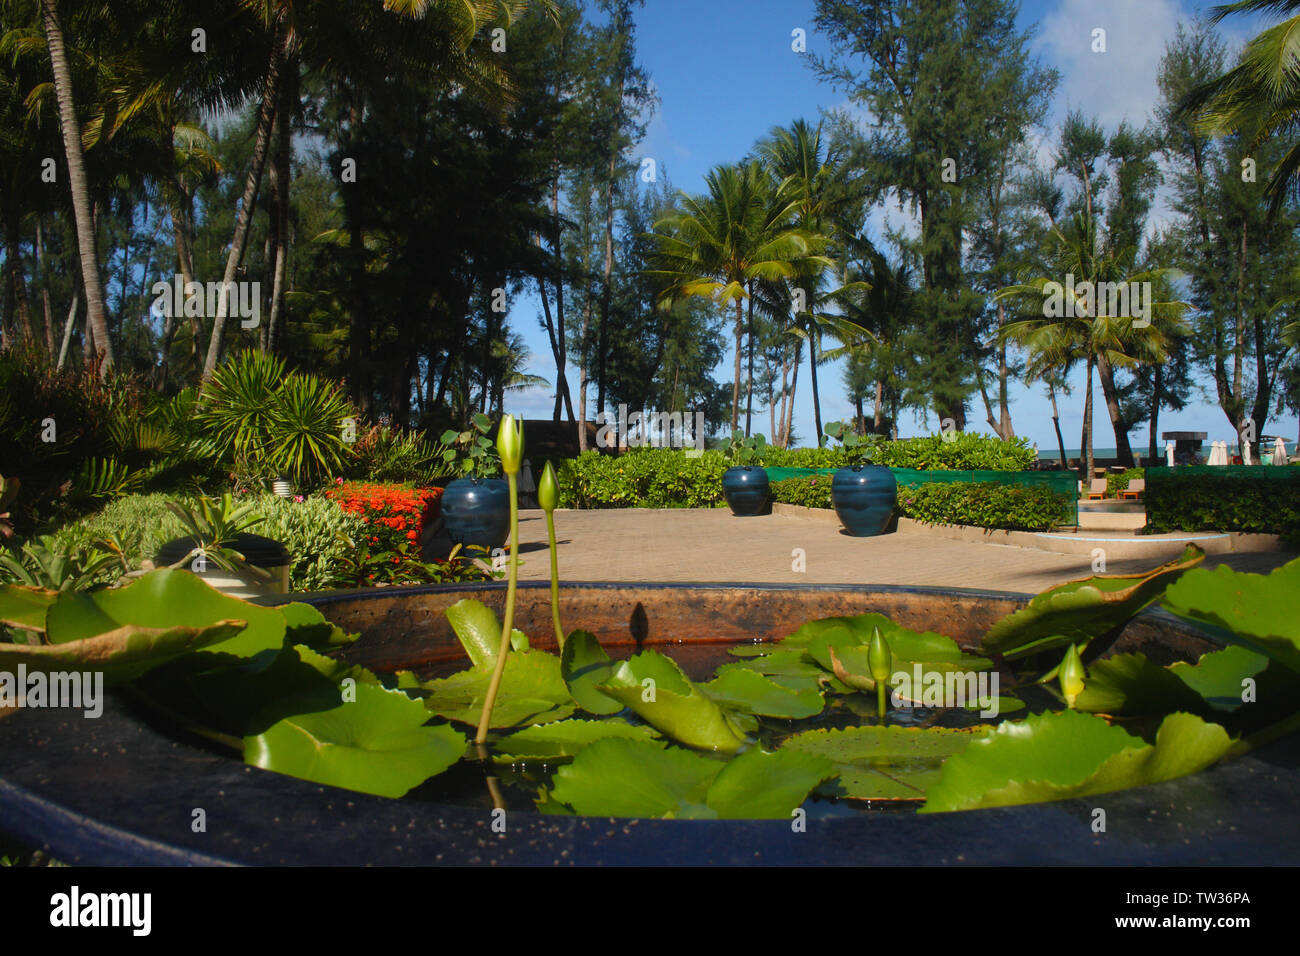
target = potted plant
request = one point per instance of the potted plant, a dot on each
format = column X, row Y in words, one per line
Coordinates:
column 220, row 550
column 475, row 506
column 864, row 496
column 744, row 484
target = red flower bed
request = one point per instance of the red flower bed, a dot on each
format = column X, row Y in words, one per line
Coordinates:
column 396, row 514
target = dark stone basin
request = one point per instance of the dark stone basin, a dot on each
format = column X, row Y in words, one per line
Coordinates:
column 118, row 790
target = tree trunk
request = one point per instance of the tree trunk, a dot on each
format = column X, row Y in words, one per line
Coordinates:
column 749, row 378
column 817, row 402
column 244, row 219
column 43, row 265
column 1085, row 445
column 1157, row 394
column 735, row 387
column 77, row 182
column 1056, row 423
column 18, row 288
column 67, row 331
column 1107, row 375
column 880, row 396
column 583, row 377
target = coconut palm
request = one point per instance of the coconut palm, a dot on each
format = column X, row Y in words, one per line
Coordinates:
column 1260, row 96
column 721, row 243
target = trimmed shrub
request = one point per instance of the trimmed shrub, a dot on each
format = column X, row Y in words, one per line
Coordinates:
column 1194, row 500
column 985, row 504
column 811, row 492
column 964, row 451
column 1118, row 481
column 642, row 478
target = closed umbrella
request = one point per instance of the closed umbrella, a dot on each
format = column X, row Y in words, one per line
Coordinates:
column 1279, row 451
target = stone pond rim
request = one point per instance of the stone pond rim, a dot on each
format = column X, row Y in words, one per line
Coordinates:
column 118, row 790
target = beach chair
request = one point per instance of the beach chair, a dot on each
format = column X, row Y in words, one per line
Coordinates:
column 1097, row 489
column 1135, row 488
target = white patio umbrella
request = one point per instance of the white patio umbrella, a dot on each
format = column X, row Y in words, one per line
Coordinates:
column 1279, row 451
column 1169, row 453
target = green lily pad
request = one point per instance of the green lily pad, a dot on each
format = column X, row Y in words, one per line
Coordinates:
column 532, row 691
column 885, row 763
column 583, row 665
column 306, row 625
column 759, row 785
column 566, row 738
column 25, row 607
column 168, row 599
column 789, row 667
column 754, row 693
column 1077, row 612
column 1069, row 754
column 122, row 654
column 376, row 744
column 1219, row 675
column 655, row 688
column 631, row 778
column 940, row 681
column 1257, row 611
column 479, row 632
column 1131, row 684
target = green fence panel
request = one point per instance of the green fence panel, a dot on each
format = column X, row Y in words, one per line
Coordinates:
column 1062, row 482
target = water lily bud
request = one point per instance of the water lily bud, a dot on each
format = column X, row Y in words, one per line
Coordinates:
column 879, row 658
column 548, row 489
column 1071, row 675
column 510, row 444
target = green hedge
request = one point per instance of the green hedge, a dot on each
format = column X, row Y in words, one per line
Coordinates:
column 986, row 505
column 964, row 451
column 1260, row 499
column 980, row 504
column 642, row 478
column 812, row 492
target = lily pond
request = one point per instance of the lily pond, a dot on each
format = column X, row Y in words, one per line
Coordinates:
column 844, row 714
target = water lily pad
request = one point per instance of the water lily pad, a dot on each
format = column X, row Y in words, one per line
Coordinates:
column 25, row 607
column 1131, row 684
column 479, row 632
column 1219, row 675
column 122, row 654
column 630, row 778
column 376, row 744
column 584, row 664
column 168, row 599
column 566, row 738
column 655, row 688
column 789, row 667
column 1257, row 611
column 756, row 694
column 532, row 691
column 1078, row 612
column 306, row 625
column 885, row 763
column 1069, row 754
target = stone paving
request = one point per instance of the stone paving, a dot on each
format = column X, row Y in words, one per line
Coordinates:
column 714, row 546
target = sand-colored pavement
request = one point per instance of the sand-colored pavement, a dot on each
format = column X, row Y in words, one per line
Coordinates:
column 712, row 545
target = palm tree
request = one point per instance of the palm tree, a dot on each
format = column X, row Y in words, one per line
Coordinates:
column 78, row 183
column 811, row 323
column 1260, row 95
column 721, row 243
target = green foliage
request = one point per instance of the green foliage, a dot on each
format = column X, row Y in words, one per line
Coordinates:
column 319, row 536
column 1118, row 481
column 811, row 492
column 393, row 454
column 857, row 448
column 43, row 562
column 986, row 505
column 643, row 478
column 961, row 451
column 746, row 451
column 1259, row 500
column 258, row 415
column 807, row 457
column 473, row 452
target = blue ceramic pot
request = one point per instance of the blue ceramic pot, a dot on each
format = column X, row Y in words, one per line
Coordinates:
column 864, row 497
column 476, row 511
column 745, row 489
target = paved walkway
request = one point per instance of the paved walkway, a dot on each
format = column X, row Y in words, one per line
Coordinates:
column 713, row 545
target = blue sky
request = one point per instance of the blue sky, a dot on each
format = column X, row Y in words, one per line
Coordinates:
column 725, row 74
